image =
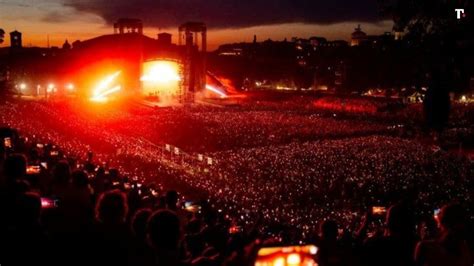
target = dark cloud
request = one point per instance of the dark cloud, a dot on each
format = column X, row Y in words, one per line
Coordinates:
column 55, row 17
column 231, row 13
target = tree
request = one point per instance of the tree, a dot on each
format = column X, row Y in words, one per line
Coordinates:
column 425, row 19
column 433, row 27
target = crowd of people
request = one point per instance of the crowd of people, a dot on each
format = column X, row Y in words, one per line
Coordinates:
column 62, row 210
column 211, row 129
column 352, row 105
column 348, row 175
column 95, row 189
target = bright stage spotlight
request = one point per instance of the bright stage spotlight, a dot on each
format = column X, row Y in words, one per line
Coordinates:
column 51, row 88
column 105, row 88
column 216, row 91
column 161, row 79
column 70, row 87
column 161, row 72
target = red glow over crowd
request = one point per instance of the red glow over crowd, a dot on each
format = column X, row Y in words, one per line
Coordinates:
column 255, row 184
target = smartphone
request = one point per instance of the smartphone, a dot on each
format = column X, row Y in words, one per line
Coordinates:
column 188, row 204
column 379, row 210
column 33, row 169
column 54, row 153
column 436, row 213
column 48, row 203
column 7, row 142
column 44, row 165
column 340, row 231
column 235, row 229
column 191, row 206
column 39, row 146
column 287, row 256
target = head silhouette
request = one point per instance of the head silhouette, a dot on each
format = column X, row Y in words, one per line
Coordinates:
column 171, row 199
column 139, row 223
column 329, row 230
column 28, row 208
column 114, row 173
column 112, row 207
column 164, row 230
column 79, row 179
column 15, row 167
column 62, row 173
column 399, row 220
column 452, row 217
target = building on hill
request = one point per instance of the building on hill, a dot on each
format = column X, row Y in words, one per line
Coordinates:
column 358, row 36
column 66, row 45
column 317, row 41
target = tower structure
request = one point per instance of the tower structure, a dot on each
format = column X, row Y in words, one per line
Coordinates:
column 194, row 64
column 15, row 39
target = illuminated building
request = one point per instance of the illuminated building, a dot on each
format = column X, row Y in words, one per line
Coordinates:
column 398, row 33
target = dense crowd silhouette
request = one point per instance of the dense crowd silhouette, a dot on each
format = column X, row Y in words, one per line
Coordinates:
column 67, row 211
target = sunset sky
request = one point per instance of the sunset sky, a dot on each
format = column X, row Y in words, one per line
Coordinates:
column 228, row 20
